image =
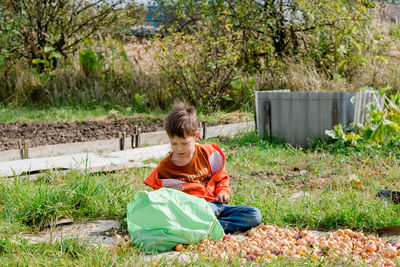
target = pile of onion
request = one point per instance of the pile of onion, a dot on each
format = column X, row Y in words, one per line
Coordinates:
column 267, row 242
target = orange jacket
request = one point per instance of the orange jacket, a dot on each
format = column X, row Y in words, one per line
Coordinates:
column 219, row 182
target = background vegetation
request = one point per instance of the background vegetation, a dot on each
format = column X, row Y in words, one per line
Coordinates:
column 214, row 54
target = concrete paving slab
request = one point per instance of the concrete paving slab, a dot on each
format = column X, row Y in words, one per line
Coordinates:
column 153, row 138
column 98, row 147
column 76, row 161
column 229, row 129
column 99, row 232
column 142, row 153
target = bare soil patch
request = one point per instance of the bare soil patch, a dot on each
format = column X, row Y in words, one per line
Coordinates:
column 100, row 128
column 41, row 134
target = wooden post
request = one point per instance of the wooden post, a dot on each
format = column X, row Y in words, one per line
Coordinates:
column 133, row 140
column 138, row 137
column 204, row 130
column 21, row 149
column 199, row 127
column 26, row 149
column 134, row 137
column 121, row 137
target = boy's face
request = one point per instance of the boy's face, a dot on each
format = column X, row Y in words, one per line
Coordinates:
column 183, row 148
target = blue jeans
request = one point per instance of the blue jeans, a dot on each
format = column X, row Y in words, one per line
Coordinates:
column 236, row 218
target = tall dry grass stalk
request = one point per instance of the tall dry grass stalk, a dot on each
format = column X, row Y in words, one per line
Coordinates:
column 19, row 85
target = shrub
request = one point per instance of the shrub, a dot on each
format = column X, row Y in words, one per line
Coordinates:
column 88, row 60
column 201, row 65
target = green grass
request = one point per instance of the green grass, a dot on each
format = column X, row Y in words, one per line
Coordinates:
column 338, row 191
column 72, row 114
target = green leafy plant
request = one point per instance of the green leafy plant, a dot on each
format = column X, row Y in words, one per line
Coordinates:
column 381, row 127
column 88, row 60
column 242, row 93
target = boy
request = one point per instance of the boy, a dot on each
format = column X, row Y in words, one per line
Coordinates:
column 199, row 170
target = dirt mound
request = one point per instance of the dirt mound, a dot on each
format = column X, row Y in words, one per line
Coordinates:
column 41, row 134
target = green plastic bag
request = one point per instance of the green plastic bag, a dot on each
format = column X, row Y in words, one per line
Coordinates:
column 161, row 219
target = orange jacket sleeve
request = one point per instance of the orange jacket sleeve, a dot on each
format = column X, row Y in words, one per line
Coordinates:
column 153, row 180
column 219, row 182
column 222, row 182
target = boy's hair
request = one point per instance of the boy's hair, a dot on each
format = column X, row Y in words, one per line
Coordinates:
column 181, row 121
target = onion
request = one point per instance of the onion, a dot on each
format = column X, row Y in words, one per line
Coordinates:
column 301, row 242
column 251, row 257
column 117, row 238
column 370, row 248
column 349, row 232
column 179, row 247
column 389, row 252
column 201, row 247
column 389, row 263
column 340, row 232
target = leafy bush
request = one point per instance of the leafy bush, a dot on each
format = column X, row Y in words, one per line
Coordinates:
column 381, row 127
column 44, row 31
column 325, row 32
column 88, row 60
column 201, row 65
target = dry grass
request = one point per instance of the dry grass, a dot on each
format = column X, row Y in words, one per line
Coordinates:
column 121, row 79
column 142, row 54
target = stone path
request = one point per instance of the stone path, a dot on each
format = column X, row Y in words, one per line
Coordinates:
column 99, row 232
column 90, row 161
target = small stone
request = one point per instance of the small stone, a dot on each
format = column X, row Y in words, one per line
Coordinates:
column 65, row 221
column 254, row 172
column 299, row 195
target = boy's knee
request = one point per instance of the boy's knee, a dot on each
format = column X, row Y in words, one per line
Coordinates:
column 257, row 217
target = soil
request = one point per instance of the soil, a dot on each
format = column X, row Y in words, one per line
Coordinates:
column 41, row 134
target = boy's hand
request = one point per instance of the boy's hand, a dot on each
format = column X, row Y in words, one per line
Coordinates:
column 222, row 198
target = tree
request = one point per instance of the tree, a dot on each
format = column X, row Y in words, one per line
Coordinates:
column 130, row 14
column 44, row 31
column 272, row 29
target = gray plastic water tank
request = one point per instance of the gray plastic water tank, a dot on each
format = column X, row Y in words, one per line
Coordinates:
column 299, row 117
